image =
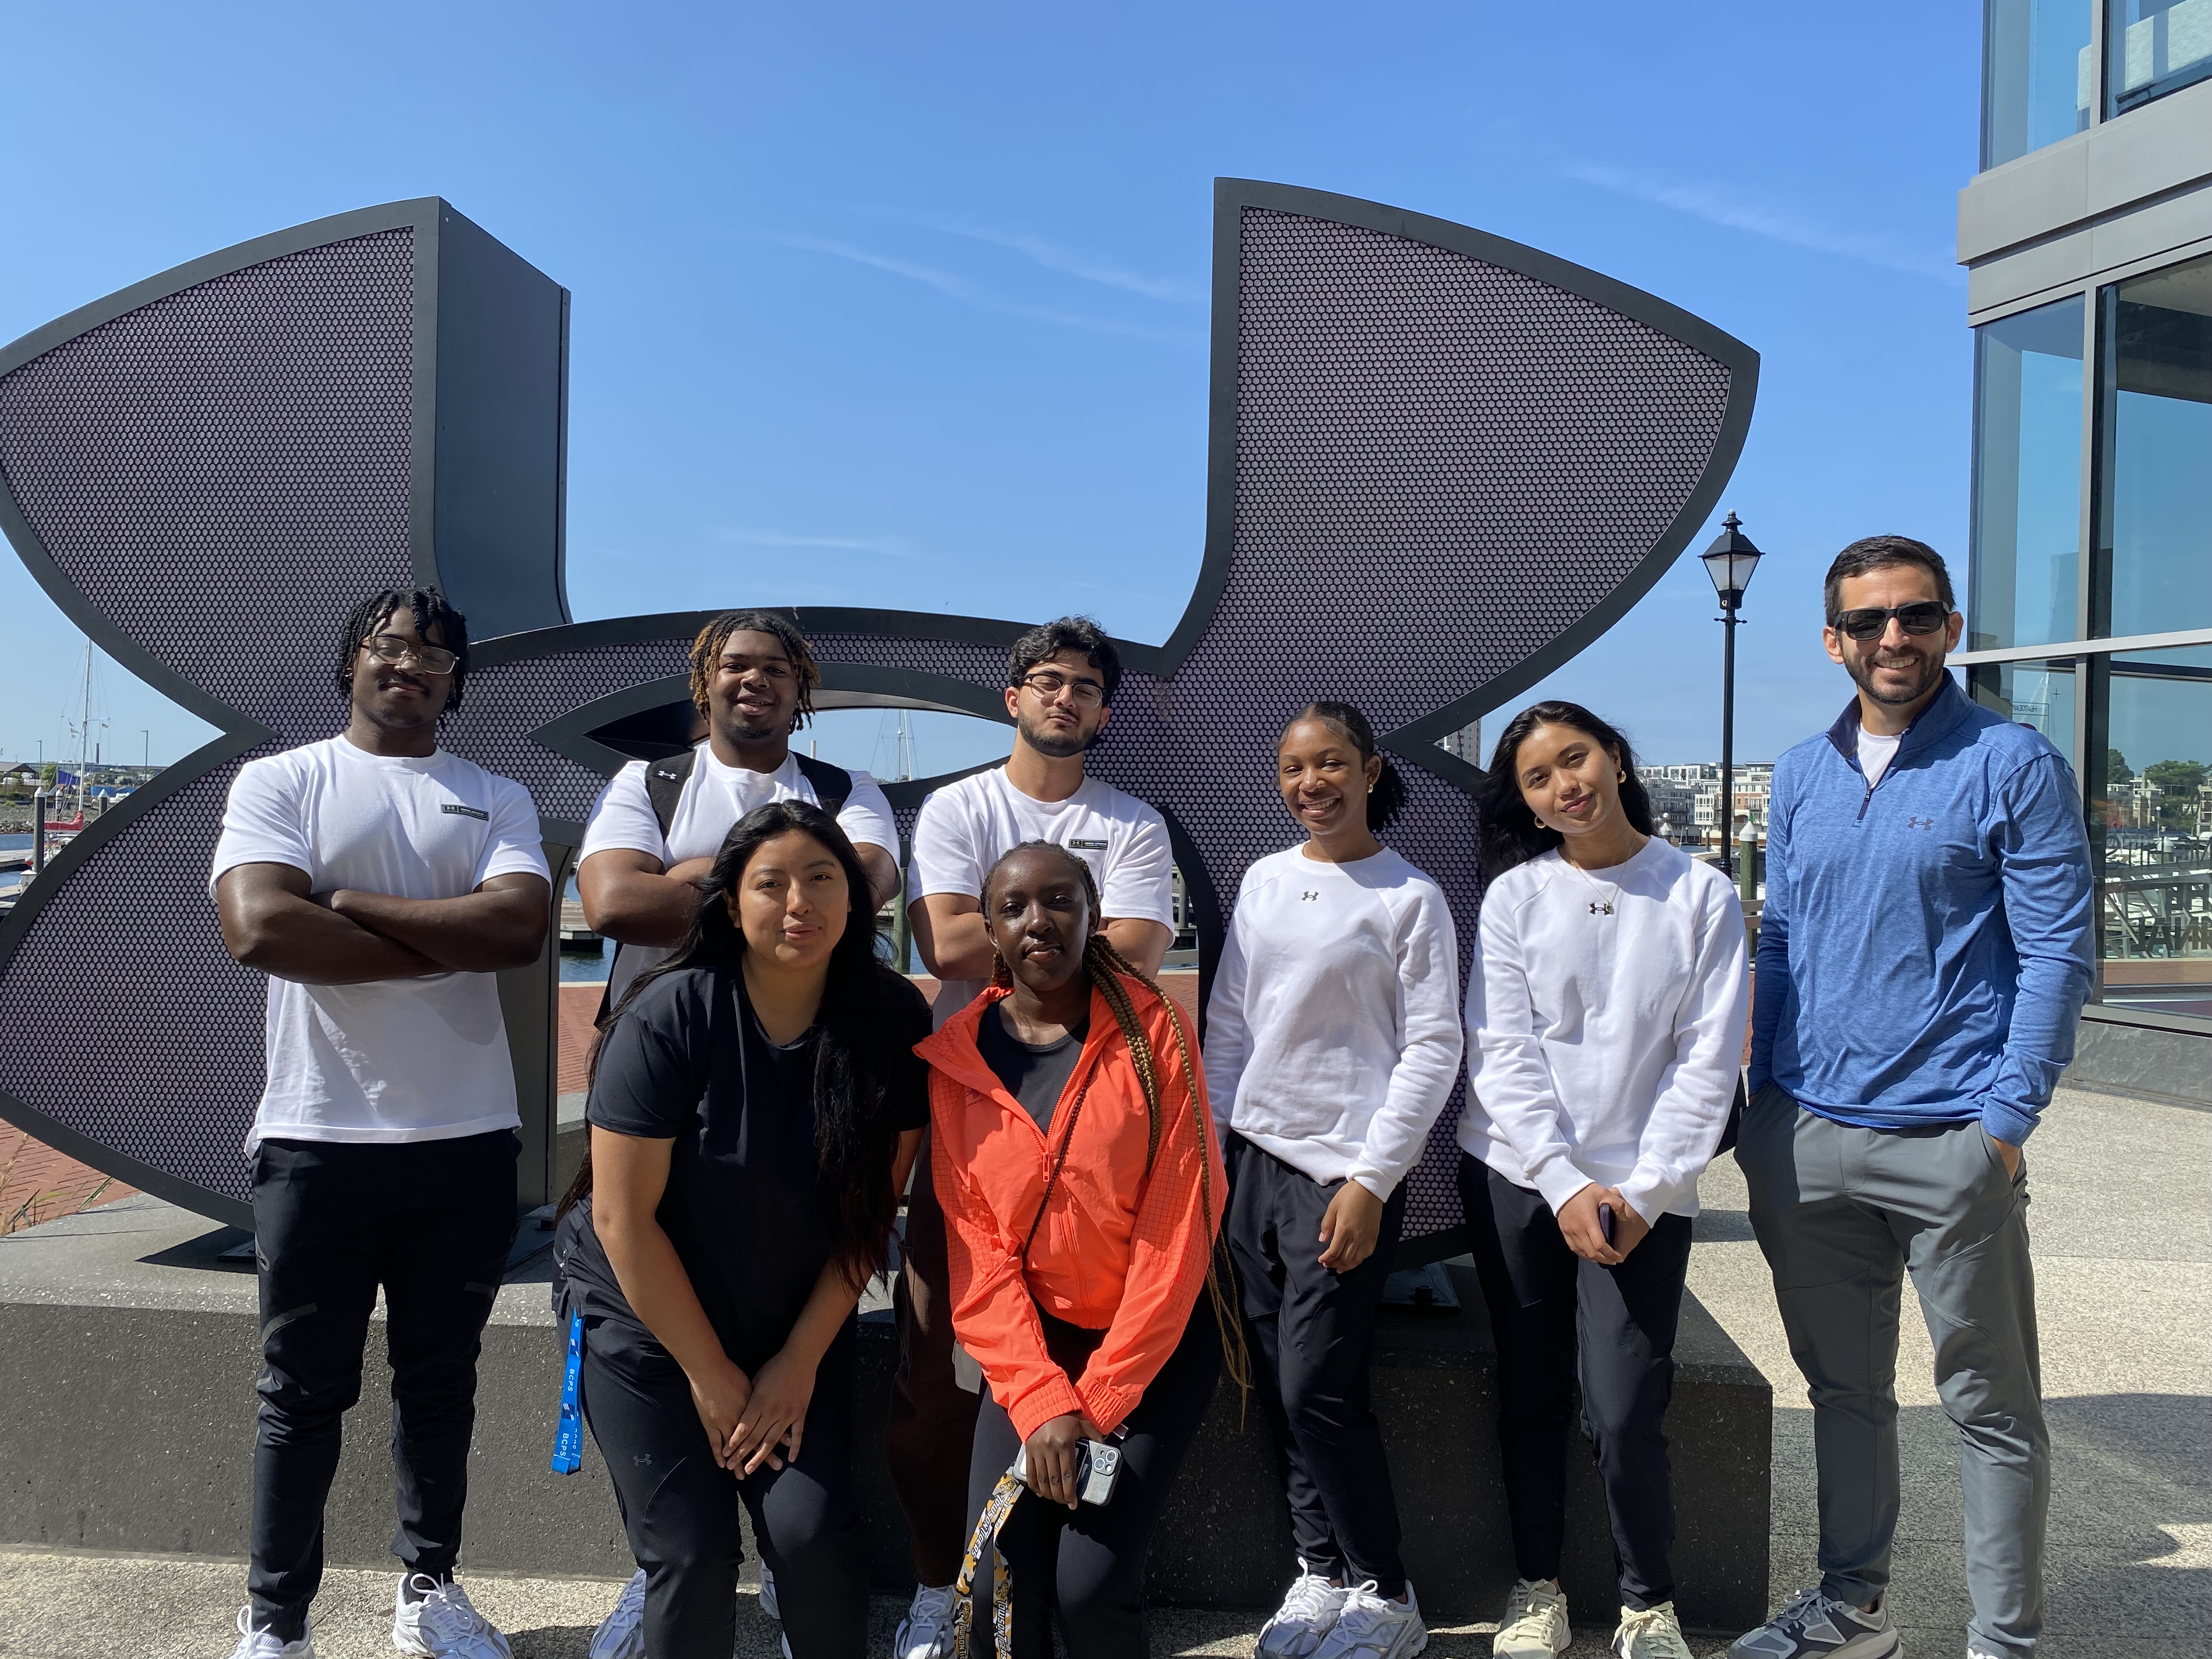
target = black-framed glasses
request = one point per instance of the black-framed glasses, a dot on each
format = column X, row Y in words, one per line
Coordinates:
column 1048, row 684
column 399, row 652
column 1871, row 621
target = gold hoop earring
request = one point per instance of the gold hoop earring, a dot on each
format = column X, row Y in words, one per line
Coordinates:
column 1623, row 776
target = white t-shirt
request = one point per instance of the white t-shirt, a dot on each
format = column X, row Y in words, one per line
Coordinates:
column 1333, row 1032
column 1605, row 1047
column 1876, row 753
column 395, row 1060
column 715, row 797
column 966, row 826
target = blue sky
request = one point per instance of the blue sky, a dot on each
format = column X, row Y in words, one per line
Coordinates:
column 905, row 305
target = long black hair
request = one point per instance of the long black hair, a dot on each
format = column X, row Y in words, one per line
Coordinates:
column 1388, row 798
column 854, row 1053
column 1510, row 834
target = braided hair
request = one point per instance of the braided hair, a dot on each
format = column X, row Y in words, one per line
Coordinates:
column 707, row 652
column 431, row 609
column 1108, row 969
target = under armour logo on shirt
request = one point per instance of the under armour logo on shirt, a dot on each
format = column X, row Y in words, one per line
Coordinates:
column 1310, row 895
column 1919, row 823
column 466, row 811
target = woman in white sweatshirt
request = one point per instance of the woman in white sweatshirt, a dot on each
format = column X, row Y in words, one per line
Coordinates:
column 1605, row 1021
column 1333, row 1040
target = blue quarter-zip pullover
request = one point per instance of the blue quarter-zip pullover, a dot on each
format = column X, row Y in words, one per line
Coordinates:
column 1924, row 950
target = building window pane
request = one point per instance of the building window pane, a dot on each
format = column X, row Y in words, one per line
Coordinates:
column 2153, row 47
column 2027, row 478
column 2155, row 524
column 2039, row 77
column 2151, row 816
column 2037, row 693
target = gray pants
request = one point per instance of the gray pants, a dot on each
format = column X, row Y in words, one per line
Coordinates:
column 1842, row 1214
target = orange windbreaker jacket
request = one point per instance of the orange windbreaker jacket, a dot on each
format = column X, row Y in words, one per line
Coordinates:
column 1118, row 1250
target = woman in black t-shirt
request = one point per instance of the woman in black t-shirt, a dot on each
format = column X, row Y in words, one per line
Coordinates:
column 756, row 1105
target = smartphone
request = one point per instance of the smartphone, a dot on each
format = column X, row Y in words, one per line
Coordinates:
column 1097, row 1466
column 1605, row 1221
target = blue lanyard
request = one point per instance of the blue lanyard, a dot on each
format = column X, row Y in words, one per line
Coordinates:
column 568, row 1439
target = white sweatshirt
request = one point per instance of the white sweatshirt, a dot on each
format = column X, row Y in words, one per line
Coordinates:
column 1333, row 1036
column 1606, row 1047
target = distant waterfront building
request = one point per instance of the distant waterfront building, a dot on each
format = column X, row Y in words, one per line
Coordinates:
column 1466, row 743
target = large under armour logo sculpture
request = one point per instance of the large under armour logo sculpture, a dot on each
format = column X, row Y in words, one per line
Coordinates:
column 1440, row 465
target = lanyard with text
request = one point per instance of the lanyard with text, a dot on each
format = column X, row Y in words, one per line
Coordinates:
column 568, row 1439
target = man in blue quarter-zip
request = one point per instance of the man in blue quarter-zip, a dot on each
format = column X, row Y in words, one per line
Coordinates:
column 1923, row 957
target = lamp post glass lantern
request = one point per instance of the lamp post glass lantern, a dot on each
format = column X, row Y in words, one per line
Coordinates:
column 1729, row 562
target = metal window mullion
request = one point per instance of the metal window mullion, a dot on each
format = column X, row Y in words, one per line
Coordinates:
column 2085, row 562
column 2099, row 10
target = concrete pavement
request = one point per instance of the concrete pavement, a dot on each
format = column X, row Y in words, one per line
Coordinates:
column 2122, row 1227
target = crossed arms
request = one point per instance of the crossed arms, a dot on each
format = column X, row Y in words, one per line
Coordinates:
column 272, row 920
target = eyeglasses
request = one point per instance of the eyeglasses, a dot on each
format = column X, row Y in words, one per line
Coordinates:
column 1871, row 621
column 399, row 652
column 1089, row 694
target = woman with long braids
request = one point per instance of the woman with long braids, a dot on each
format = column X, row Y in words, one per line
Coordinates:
column 1606, row 1026
column 755, row 1104
column 1332, row 1038
column 1074, row 1156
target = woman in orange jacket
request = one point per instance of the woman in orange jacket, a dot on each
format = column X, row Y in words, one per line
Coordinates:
column 1074, row 1154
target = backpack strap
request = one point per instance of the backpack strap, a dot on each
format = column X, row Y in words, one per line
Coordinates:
column 663, row 784
column 833, row 784
column 664, row 787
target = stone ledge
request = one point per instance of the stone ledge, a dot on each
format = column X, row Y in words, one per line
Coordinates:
column 127, row 1357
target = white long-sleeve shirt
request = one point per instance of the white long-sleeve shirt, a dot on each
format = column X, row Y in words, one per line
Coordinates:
column 1606, row 1047
column 1333, row 1036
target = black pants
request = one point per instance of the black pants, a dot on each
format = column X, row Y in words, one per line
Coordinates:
column 1088, row 1563
column 1559, row 1321
column 1313, row 1347
column 681, row 1511
column 430, row 1221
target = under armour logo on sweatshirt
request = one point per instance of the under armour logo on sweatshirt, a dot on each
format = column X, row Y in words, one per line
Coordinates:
column 1310, row 895
column 1919, row 823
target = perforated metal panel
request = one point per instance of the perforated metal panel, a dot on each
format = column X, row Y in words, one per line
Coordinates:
column 1446, row 460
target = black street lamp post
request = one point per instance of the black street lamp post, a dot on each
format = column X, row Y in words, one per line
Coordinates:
column 1729, row 562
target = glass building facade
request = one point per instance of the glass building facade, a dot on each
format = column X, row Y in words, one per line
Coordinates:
column 2089, row 613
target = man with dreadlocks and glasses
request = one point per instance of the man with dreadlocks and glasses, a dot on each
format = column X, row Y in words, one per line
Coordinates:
column 657, row 826
column 380, row 883
column 1068, row 1112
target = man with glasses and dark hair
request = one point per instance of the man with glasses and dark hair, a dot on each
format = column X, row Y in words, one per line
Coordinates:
column 381, row 883
column 1923, row 954
column 1061, row 681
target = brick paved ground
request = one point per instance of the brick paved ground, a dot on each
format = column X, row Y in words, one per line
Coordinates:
column 37, row 1184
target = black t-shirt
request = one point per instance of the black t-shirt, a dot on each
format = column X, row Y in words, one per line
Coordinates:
column 1035, row 1073
column 687, row 1061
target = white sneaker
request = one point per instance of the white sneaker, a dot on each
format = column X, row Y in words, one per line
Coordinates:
column 768, row 1594
column 1308, row 1614
column 1533, row 1625
column 927, row 1629
column 1372, row 1626
column 621, row 1634
column 261, row 1644
column 1651, row 1633
column 1815, row 1625
column 443, row 1625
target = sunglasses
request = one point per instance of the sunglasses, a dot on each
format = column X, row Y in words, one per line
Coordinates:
column 1871, row 622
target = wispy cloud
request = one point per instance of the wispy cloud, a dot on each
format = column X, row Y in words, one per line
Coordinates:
column 1068, row 261
column 954, row 286
column 888, row 547
column 1723, row 204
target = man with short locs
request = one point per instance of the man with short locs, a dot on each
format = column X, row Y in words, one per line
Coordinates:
column 381, row 883
column 1060, row 681
column 1923, row 954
